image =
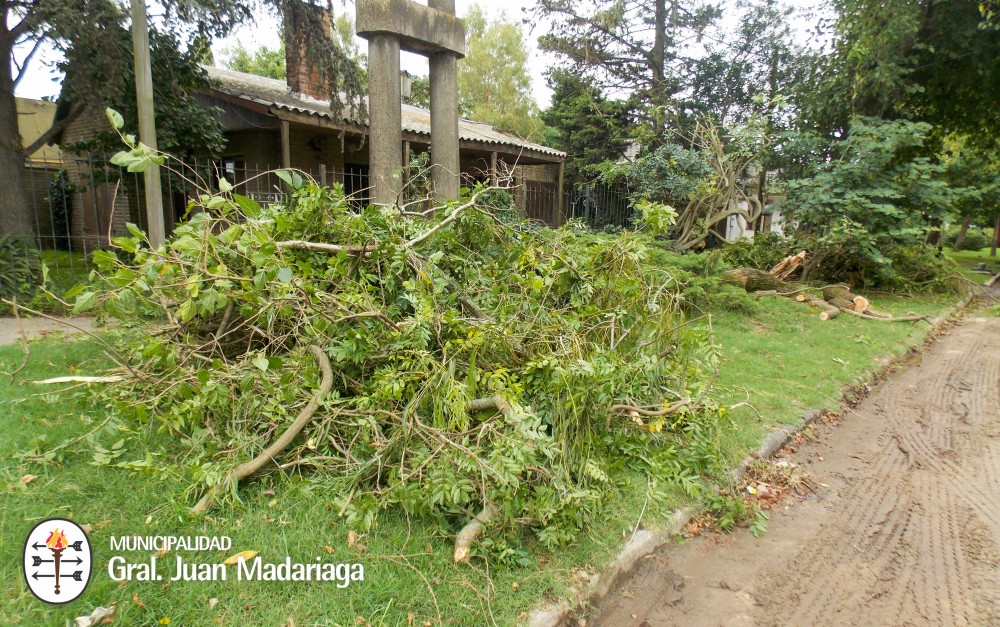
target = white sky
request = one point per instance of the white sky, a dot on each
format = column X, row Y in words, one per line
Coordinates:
column 42, row 81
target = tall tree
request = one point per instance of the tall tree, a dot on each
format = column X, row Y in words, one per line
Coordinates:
column 643, row 50
column 588, row 126
column 746, row 69
column 927, row 60
column 494, row 85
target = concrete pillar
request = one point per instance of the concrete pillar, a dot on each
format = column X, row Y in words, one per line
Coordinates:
column 444, row 117
column 444, row 125
column 384, row 112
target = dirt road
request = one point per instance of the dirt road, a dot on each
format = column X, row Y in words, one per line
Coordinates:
column 904, row 528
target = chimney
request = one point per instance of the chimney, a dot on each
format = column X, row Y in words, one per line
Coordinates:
column 304, row 74
column 405, row 85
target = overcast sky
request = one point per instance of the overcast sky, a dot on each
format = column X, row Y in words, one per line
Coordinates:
column 41, row 81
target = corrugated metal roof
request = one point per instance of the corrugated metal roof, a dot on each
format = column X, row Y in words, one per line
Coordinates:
column 275, row 93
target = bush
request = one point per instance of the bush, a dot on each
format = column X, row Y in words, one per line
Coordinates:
column 697, row 278
column 763, row 252
column 975, row 238
column 20, row 269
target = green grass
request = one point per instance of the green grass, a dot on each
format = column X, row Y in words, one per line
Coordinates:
column 785, row 357
column 967, row 260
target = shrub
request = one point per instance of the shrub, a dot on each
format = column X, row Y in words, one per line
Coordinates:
column 763, row 252
column 975, row 238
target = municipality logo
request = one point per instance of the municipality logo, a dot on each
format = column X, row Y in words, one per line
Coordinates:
column 57, row 561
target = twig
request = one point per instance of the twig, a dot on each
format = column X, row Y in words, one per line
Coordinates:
column 24, row 342
column 121, row 359
column 110, row 378
column 913, row 318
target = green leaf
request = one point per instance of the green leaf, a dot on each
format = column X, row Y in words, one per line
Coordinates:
column 127, row 244
column 261, row 362
column 135, row 231
column 225, row 186
column 284, row 175
column 248, row 206
column 115, row 118
column 85, row 301
column 123, row 159
column 285, row 275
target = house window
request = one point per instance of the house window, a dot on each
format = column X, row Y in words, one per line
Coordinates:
column 356, row 186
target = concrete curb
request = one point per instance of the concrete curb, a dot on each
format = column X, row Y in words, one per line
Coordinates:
column 644, row 542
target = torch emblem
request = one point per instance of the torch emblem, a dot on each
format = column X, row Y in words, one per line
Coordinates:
column 57, row 561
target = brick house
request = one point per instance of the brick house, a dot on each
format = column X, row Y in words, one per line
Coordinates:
column 270, row 124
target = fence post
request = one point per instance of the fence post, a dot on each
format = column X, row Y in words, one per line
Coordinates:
column 322, row 175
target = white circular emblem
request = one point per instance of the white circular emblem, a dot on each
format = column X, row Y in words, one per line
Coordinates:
column 57, row 560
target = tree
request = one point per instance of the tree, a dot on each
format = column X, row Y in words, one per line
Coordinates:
column 494, row 86
column 877, row 191
column 99, row 68
column 420, row 92
column 746, row 70
column 928, row 60
column 642, row 49
column 264, row 61
column 589, row 127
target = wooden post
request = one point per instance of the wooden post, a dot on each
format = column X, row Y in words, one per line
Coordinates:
column 559, row 194
column 406, row 165
column 147, row 123
column 493, row 169
column 286, row 145
column 322, row 175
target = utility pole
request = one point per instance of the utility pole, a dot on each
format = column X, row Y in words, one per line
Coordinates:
column 147, row 125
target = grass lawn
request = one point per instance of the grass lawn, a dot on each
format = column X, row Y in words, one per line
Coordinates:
column 784, row 356
column 967, row 260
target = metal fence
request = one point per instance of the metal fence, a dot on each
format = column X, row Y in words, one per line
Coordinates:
column 599, row 206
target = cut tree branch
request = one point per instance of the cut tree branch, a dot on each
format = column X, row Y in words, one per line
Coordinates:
column 246, row 469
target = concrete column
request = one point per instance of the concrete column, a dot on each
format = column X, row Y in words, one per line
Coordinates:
column 444, row 125
column 385, row 115
column 444, row 117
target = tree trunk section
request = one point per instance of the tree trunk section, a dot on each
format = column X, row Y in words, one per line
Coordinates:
column 996, row 238
column 753, row 280
column 960, row 238
column 15, row 211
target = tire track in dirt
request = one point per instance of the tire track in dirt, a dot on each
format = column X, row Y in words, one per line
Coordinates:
column 905, row 532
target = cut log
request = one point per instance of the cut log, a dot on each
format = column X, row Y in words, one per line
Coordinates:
column 827, row 311
column 788, row 266
column 839, row 296
column 753, row 280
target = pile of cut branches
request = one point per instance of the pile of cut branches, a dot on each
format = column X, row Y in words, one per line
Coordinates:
column 456, row 362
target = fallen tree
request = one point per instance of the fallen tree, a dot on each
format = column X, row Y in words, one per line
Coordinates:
column 456, row 363
column 836, row 298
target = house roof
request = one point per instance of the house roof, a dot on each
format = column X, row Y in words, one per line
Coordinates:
column 275, row 94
